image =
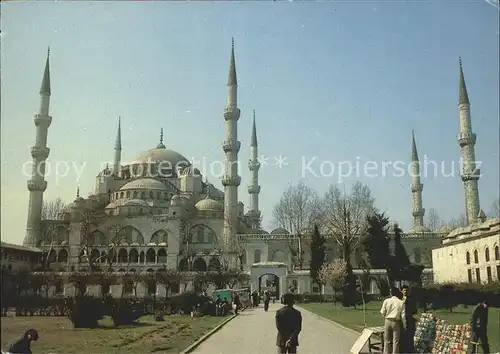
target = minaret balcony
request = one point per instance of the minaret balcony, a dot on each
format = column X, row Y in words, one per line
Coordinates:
column 466, row 139
column 43, row 120
column 34, row 185
column 231, row 145
column 253, row 189
column 253, row 165
column 231, row 181
column 418, row 212
column 231, row 113
column 417, row 187
column 40, row 153
column 474, row 176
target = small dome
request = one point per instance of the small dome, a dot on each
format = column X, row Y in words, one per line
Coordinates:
column 135, row 202
column 209, row 205
column 279, row 231
column 444, row 230
column 144, row 183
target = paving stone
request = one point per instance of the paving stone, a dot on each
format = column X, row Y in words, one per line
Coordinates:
column 254, row 331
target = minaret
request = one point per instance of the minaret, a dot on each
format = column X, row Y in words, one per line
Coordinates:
column 254, row 188
column 467, row 140
column 37, row 184
column 118, row 149
column 418, row 211
column 231, row 146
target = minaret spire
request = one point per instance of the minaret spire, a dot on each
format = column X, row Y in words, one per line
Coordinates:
column 39, row 152
column 418, row 211
column 231, row 146
column 254, row 188
column 160, row 144
column 118, row 149
column 467, row 141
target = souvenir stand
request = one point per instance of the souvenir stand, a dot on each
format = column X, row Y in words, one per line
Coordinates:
column 434, row 336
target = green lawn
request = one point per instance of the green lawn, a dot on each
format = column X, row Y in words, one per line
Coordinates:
column 58, row 336
column 354, row 319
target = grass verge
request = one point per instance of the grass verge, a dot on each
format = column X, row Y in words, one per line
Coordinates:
column 148, row 336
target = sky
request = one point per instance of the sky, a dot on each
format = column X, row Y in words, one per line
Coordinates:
column 333, row 84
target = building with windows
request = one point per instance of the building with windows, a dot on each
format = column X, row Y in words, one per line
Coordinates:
column 469, row 254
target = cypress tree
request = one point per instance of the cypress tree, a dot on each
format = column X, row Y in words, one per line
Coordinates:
column 318, row 253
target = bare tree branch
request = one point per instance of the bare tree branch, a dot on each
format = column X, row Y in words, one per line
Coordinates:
column 344, row 217
column 433, row 219
column 52, row 209
column 297, row 211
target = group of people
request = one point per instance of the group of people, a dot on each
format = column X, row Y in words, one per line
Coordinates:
column 400, row 325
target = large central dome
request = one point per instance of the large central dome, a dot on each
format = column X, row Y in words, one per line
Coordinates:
column 162, row 155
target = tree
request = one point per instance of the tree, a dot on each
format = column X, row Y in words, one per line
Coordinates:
column 298, row 209
column 318, row 254
column 168, row 278
column 460, row 221
column 433, row 220
column 495, row 209
column 376, row 248
column 345, row 216
column 52, row 209
column 400, row 261
column 333, row 274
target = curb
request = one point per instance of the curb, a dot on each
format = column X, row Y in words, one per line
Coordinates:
column 330, row 321
column 207, row 335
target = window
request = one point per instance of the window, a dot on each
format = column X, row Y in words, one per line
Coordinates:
column 128, row 288
column 498, row 272
column 256, row 256
column 151, row 287
column 476, row 257
column 478, row 275
column 467, row 257
column 497, row 253
column 105, row 289
column 488, row 274
column 469, row 275
column 487, row 254
column 58, row 288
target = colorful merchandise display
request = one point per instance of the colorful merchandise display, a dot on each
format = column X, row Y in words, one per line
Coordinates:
column 454, row 339
column 433, row 335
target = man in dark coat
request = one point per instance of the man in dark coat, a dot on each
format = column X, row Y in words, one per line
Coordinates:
column 289, row 325
column 267, row 299
column 408, row 319
column 23, row 344
column 479, row 325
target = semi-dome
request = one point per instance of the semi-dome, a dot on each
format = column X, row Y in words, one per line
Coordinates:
column 144, row 183
column 209, row 205
column 279, row 231
column 169, row 158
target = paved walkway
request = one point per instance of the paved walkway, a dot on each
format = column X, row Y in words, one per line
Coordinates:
column 254, row 331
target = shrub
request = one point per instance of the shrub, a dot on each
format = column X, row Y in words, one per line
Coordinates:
column 185, row 302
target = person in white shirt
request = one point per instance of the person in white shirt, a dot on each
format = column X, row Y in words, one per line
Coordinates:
column 391, row 311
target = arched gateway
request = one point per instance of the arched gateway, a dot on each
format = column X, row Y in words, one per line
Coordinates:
column 258, row 270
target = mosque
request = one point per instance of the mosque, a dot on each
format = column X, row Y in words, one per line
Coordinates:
column 159, row 212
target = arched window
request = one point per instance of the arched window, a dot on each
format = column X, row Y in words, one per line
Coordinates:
column 200, row 265
column 62, row 257
column 128, row 194
column 467, row 257
column 133, row 256
column 487, row 254
column 497, row 253
column 476, row 257
column 256, row 256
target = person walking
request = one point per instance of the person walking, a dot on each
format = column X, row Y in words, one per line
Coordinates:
column 23, row 344
column 408, row 320
column 267, row 299
column 391, row 310
column 479, row 324
column 289, row 325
